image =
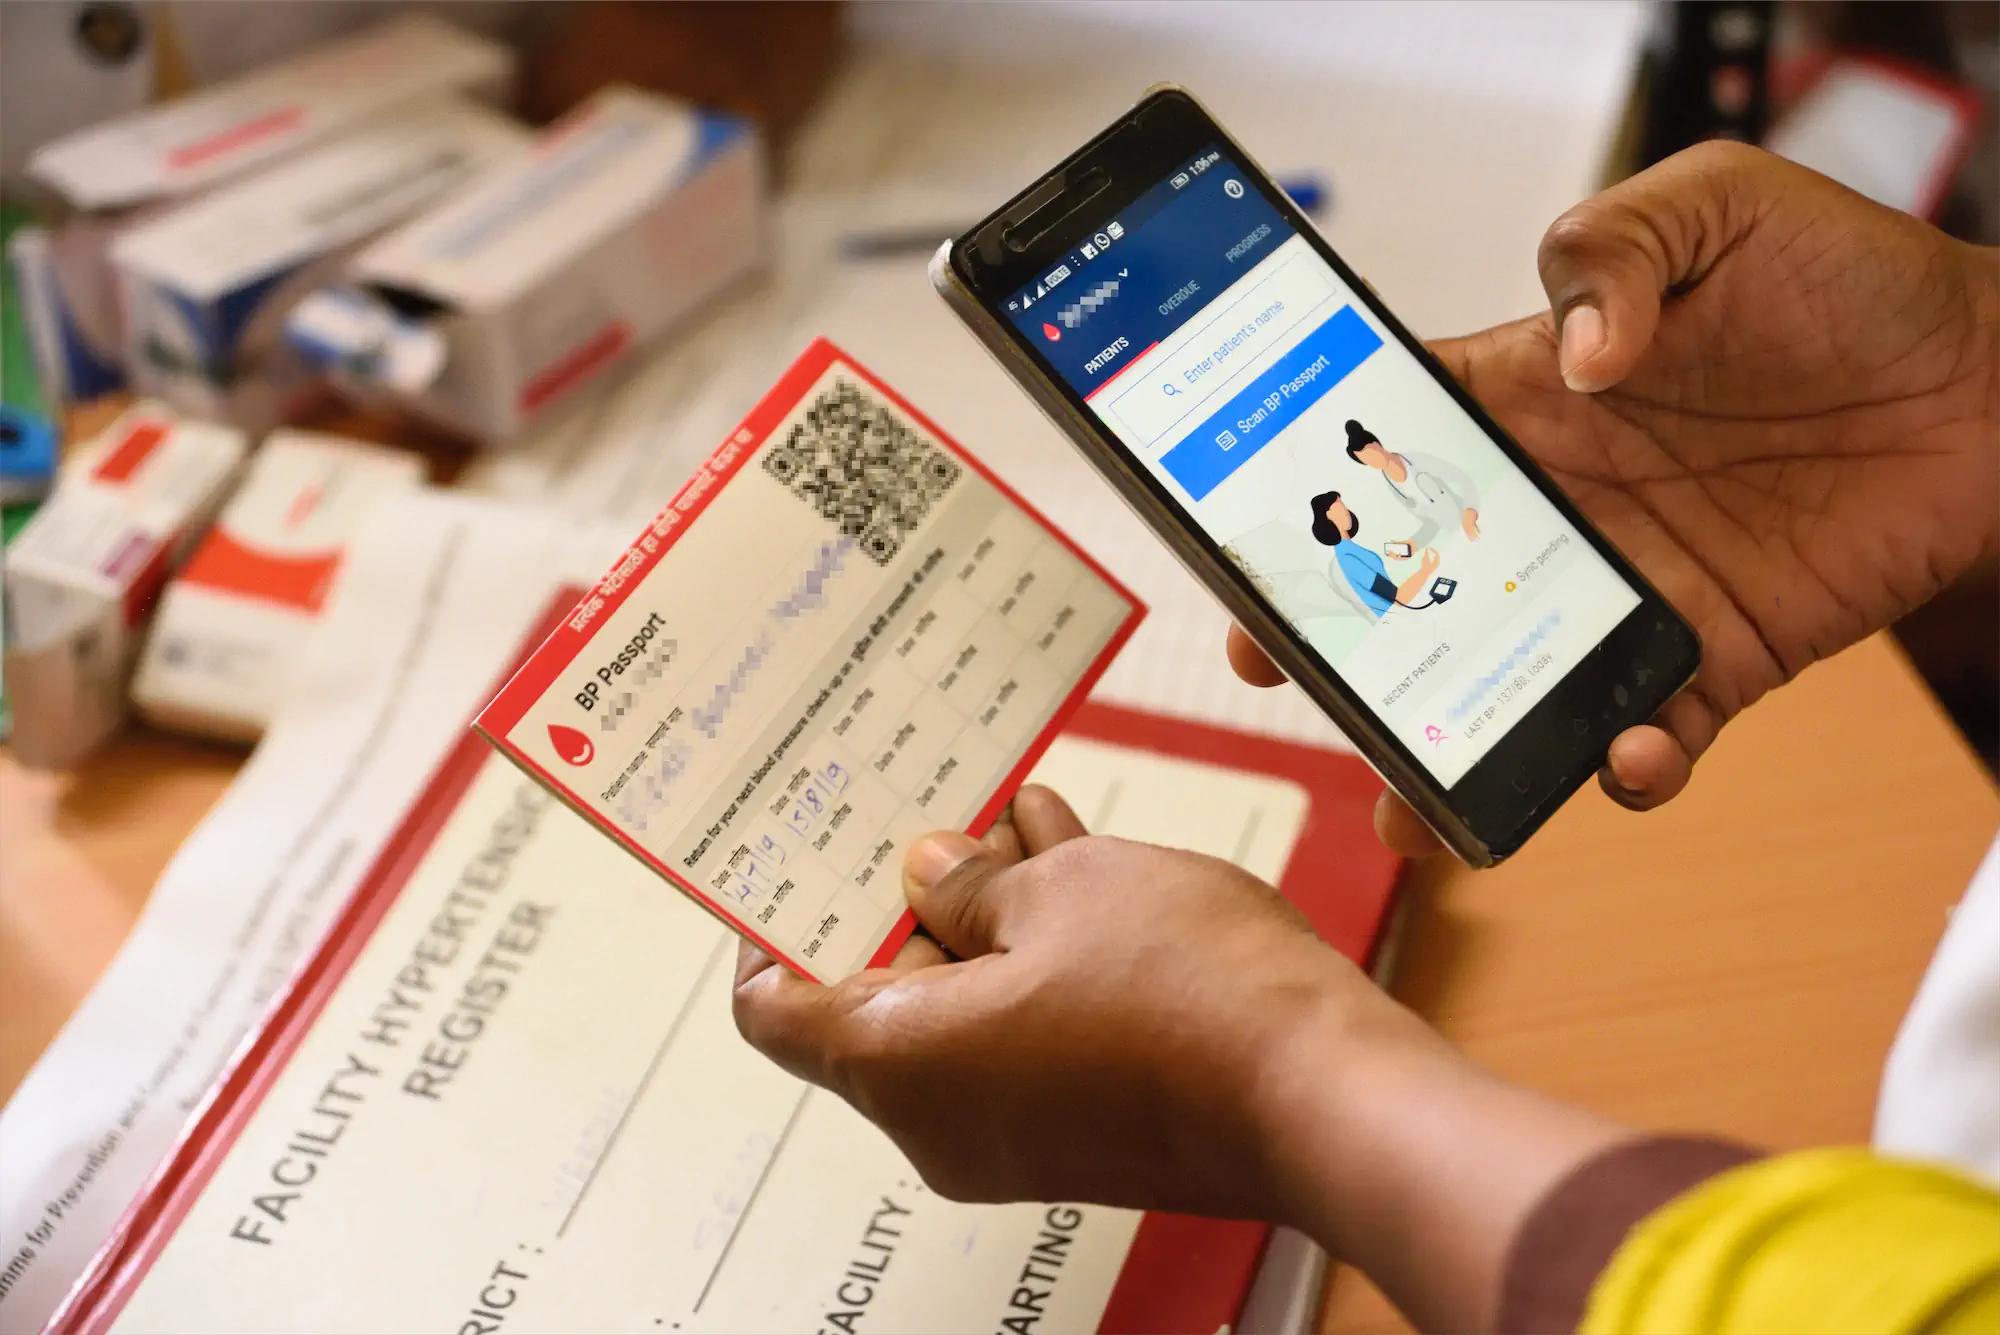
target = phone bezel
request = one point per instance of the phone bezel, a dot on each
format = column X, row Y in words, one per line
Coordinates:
column 1553, row 749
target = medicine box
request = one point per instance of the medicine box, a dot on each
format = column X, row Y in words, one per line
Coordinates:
column 206, row 288
column 102, row 180
column 83, row 577
column 231, row 623
column 497, row 307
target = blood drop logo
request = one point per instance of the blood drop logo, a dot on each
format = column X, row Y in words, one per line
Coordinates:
column 570, row 744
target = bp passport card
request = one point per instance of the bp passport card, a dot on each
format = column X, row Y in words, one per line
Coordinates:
column 844, row 632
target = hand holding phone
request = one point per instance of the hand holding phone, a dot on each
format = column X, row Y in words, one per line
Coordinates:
column 1171, row 310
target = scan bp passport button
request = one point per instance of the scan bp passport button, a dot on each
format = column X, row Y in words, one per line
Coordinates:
column 1255, row 414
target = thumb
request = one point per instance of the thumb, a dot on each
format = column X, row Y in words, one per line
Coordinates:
column 810, row 1030
column 1608, row 262
column 950, row 880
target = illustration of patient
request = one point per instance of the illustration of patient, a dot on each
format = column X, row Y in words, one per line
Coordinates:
column 1335, row 525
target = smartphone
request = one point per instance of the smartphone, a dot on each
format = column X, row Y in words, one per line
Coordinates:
column 1400, row 551
column 1261, row 409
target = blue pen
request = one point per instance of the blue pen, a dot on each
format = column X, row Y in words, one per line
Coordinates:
column 1309, row 193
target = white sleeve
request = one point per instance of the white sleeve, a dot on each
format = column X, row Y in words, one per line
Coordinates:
column 1459, row 481
column 1941, row 1088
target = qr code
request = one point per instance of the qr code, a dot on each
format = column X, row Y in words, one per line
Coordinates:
column 856, row 462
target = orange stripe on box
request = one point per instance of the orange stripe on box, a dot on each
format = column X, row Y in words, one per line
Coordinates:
column 576, row 365
column 235, row 137
column 226, row 563
column 124, row 458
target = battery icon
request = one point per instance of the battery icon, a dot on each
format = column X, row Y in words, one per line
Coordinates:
column 1180, row 179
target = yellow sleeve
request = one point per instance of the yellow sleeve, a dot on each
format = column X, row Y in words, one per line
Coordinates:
column 1823, row 1240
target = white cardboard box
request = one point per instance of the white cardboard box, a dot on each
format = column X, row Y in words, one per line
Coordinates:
column 83, row 577
column 229, row 626
column 133, row 166
column 547, row 275
column 206, row 287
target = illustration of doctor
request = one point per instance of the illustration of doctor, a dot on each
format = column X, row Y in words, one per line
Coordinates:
column 1436, row 494
column 1334, row 525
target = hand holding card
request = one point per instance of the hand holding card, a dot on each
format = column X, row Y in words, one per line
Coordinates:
column 843, row 633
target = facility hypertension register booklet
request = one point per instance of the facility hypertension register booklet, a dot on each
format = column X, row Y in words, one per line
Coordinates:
column 506, row 1094
column 844, row 632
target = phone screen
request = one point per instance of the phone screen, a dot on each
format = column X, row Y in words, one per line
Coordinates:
column 1293, row 429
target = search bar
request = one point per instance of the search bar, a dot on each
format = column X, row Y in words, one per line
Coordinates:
column 1209, row 359
column 1259, row 411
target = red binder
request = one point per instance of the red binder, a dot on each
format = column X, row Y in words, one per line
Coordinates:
column 1181, row 1274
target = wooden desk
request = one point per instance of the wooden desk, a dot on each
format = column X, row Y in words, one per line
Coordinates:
column 1734, row 963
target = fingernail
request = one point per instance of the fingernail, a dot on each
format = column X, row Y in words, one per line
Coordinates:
column 932, row 857
column 1582, row 339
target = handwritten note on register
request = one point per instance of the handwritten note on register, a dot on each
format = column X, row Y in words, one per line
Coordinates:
column 843, row 632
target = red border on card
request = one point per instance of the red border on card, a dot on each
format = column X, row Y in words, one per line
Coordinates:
column 560, row 650
column 114, row 1274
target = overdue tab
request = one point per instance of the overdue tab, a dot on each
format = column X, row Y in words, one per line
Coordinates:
column 844, row 632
